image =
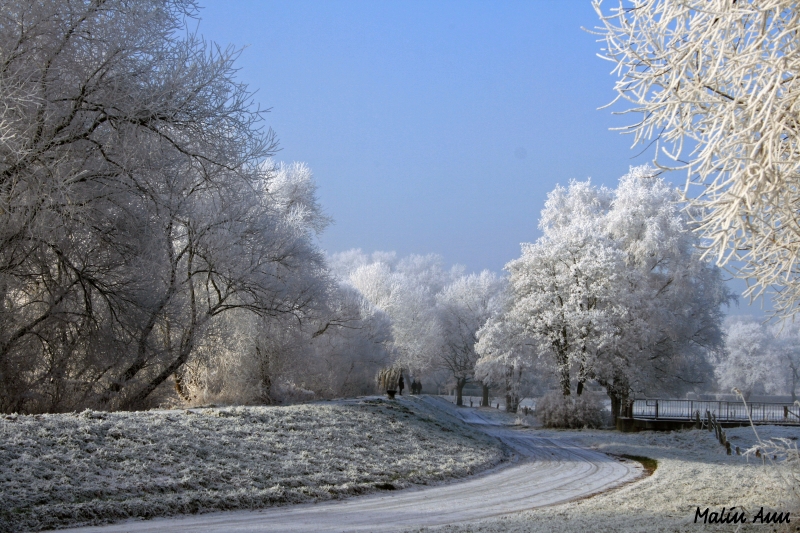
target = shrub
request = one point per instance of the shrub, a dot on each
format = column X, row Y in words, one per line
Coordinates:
column 557, row 411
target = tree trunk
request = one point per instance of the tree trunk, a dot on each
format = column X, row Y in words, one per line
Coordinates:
column 512, row 402
column 565, row 385
column 581, row 373
column 459, row 390
column 615, row 404
column 138, row 399
column 625, row 405
column 564, row 379
column 485, row 396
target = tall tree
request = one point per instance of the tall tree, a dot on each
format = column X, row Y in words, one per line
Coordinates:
column 137, row 203
column 405, row 290
column 758, row 358
column 615, row 291
column 463, row 307
column 507, row 357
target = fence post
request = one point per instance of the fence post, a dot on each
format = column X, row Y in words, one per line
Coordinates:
column 656, row 409
column 785, row 411
column 697, row 423
column 728, row 448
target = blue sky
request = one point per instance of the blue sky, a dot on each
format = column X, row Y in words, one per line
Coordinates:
column 432, row 127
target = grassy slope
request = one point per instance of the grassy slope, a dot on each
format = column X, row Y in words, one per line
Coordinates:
column 92, row 467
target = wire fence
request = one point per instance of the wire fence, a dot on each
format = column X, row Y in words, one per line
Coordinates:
column 758, row 412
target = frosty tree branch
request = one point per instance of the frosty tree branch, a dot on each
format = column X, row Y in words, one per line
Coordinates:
column 716, row 83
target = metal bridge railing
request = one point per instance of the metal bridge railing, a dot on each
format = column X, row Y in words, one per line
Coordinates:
column 759, row 412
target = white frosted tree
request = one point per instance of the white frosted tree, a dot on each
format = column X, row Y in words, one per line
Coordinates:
column 669, row 312
column 788, row 339
column 463, row 307
column 758, row 358
column 234, row 244
column 715, row 84
column 563, row 292
column 405, row 289
column 564, row 285
column 615, row 291
column 507, row 358
column 137, row 203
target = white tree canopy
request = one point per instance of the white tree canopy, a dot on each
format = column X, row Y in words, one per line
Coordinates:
column 614, row 291
column 758, row 358
column 405, row 289
column 463, row 307
column 138, row 203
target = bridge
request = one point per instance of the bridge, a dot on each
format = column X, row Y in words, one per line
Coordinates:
column 676, row 414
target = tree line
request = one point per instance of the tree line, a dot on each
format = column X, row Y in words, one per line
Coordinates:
column 152, row 251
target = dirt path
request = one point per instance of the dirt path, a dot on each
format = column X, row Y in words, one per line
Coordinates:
column 544, row 471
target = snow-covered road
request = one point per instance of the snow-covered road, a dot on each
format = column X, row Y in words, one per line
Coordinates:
column 545, row 471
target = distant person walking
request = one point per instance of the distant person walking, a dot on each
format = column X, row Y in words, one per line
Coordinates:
column 401, row 384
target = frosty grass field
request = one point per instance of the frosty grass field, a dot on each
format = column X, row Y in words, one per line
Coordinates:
column 92, row 467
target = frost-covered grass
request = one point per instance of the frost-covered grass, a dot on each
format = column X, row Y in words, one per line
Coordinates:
column 693, row 471
column 93, row 467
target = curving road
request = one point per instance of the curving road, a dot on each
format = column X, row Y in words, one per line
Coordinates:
column 544, row 472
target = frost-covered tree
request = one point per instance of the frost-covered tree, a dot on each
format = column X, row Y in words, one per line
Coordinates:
column 507, row 358
column 758, row 358
column 250, row 359
column 789, row 348
column 405, row 289
column 137, row 203
column 230, row 245
column 716, row 83
column 563, row 285
column 463, row 307
column 615, row 291
column 671, row 300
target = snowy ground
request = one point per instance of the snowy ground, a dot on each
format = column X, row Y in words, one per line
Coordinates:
column 98, row 467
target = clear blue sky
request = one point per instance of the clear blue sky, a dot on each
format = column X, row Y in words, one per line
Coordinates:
column 432, row 126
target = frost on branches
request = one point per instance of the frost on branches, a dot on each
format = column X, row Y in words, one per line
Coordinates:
column 758, row 358
column 435, row 314
column 716, row 83
column 148, row 245
column 463, row 307
column 405, row 290
column 614, row 291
